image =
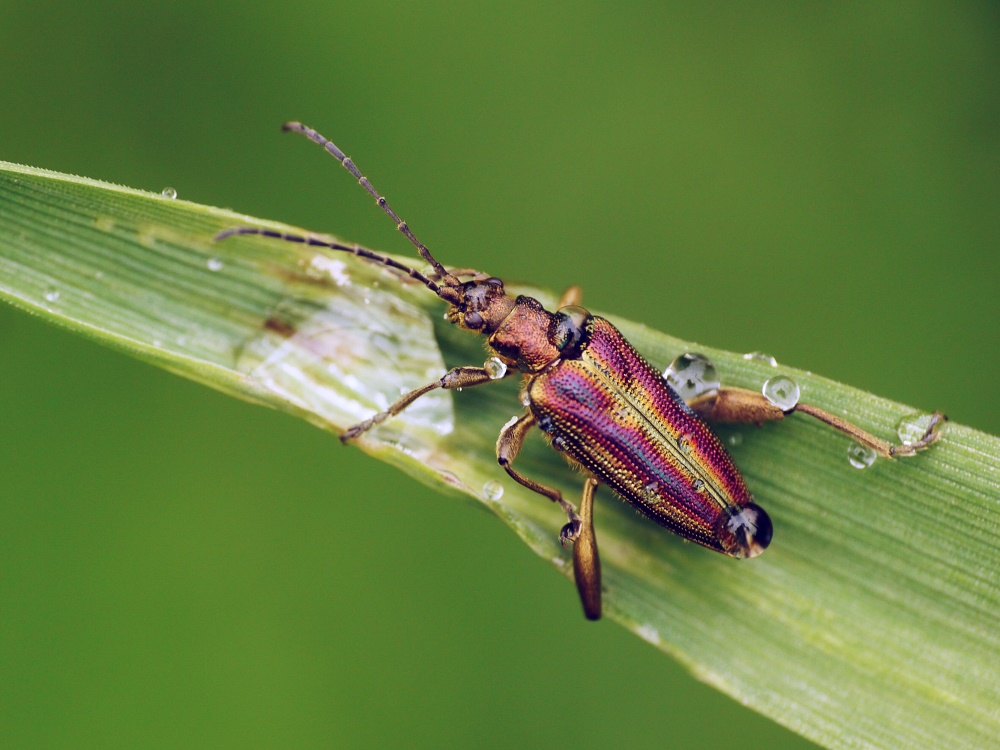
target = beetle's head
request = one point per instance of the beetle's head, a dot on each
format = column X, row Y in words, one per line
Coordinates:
column 481, row 305
column 745, row 531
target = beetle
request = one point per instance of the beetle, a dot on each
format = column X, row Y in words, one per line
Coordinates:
column 600, row 403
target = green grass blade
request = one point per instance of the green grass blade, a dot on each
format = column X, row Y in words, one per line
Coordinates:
column 871, row 621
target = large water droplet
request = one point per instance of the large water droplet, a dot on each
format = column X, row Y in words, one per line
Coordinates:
column 761, row 357
column 692, row 374
column 781, row 391
column 169, row 193
column 492, row 490
column 913, row 427
column 860, row 456
column 52, row 295
column 495, row 368
column 214, row 264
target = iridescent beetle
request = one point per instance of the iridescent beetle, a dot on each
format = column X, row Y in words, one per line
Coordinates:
column 600, row 403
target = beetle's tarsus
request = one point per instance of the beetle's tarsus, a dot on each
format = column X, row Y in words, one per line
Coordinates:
column 571, row 531
column 930, row 436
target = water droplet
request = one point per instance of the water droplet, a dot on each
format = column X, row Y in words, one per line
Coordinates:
column 735, row 439
column 860, row 456
column 649, row 493
column 459, row 390
column 104, row 223
column 913, row 427
column 781, row 391
column 492, row 490
column 52, row 295
column 495, row 368
column 214, row 264
column 697, row 484
column 761, row 357
column 692, row 374
column 169, row 193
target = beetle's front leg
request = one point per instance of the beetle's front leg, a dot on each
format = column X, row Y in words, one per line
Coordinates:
column 459, row 377
column 738, row 405
column 572, row 296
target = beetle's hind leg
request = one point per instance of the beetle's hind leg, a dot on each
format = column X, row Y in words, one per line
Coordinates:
column 738, row 405
column 586, row 561
column 458, row 377
column 579, row 530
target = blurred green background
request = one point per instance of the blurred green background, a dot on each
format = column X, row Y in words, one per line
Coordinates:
column 178, row 569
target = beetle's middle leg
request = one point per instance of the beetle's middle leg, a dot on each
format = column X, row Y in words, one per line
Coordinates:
column 458, row 377
column 579, row 530
column 738, row 405
column 508, row 446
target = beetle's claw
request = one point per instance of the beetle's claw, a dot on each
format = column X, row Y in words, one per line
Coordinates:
column 571, row 531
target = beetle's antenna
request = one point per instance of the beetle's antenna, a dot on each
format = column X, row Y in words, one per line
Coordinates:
column 448, row 294
column 336, row 153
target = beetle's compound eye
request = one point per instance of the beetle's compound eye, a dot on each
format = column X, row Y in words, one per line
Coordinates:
column 473, row 320
column 751, row 528
column 570, row 330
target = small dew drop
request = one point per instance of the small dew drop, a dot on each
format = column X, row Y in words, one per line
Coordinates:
column 781, row 391
column 761, row 357
column 495, row 368
column 459, row 390
column 697, row 484
column 735, row 439
column 692, row 374
column 913, row 427
column 860, row 456
column 52, row 295
column 492, row 490
column 214, row 264
column 104, row 223
column 169, row 193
